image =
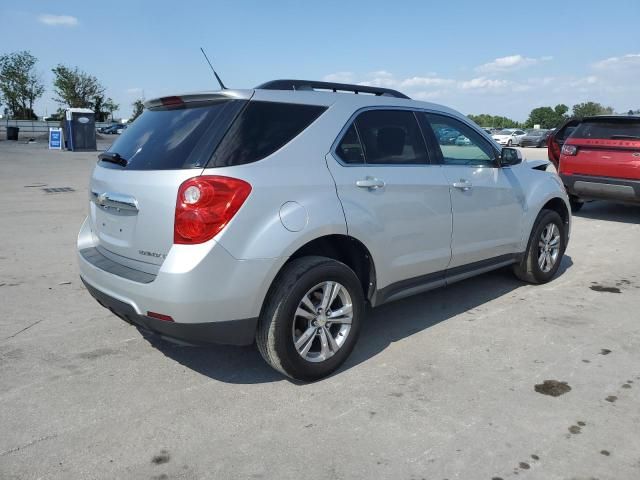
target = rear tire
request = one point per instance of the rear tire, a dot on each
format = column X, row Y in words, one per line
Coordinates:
column 545, row 249
column 296, row 334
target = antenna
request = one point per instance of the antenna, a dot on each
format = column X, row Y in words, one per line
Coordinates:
column 212, row 69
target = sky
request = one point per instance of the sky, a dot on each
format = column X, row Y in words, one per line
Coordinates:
column 500, row 58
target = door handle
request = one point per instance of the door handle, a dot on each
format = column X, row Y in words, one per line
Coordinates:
column 371, row 183
column 463, row 185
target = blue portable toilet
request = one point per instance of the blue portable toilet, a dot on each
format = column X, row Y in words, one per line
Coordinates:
column 79, row 129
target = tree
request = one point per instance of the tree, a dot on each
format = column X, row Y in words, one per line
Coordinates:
column 138, row 107
column 485, row 120
column 588, row 109
column 110, row 106
column 103, row 108
column 20, row 84
column 75, row 88
column 98, row 107
column 547, row 117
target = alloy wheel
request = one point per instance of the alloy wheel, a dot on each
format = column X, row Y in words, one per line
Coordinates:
column 322, row 321
column 548, row 247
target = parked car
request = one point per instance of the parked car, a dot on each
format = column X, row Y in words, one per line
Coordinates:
column 242, row 228
column 462, row 140
column 600, row 160
column 535, row 138
column 112, row 129
column 509, row 136
column 448, row 136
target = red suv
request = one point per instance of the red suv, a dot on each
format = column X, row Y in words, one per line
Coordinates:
column 598, row 158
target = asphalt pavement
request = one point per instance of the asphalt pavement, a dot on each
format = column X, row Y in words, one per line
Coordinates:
column 441, row 385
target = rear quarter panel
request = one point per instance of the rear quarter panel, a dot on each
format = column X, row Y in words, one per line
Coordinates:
column 296, row 175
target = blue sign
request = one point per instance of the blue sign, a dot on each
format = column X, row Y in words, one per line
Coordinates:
column 55, row 138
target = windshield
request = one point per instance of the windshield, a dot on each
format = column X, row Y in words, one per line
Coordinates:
column 536, row 133
column 608, row 129
column 174, row 138
column 504, row 132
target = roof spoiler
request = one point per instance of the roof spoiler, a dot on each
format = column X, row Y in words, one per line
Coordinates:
column 331, row 86
column 215, row 96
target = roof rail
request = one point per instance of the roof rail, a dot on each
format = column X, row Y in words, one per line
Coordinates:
column 334, row 87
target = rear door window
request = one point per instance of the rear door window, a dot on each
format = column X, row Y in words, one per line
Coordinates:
column 174, row 138
column 261, row 129
column 391, row 137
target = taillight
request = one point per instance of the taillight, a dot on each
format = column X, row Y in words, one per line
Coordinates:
column 205, row 205
column 569, row 150
column 172, row 102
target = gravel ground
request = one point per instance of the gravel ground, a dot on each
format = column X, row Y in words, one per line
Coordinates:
column 440, row 386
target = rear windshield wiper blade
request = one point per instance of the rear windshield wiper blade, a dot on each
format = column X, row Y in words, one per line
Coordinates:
column 113, row 157
column 623, row 137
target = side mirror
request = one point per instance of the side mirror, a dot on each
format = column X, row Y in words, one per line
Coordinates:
column 510, row 156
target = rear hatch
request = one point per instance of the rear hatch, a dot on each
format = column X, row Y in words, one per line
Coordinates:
column 603, row 147
column 135, row 183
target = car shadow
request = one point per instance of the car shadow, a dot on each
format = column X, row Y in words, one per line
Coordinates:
column 615, row 212
column 383, row 326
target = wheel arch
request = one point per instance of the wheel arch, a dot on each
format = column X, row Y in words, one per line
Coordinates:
column 343, row 248
column 558, row 205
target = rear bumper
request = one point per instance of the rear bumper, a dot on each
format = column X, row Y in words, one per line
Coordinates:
column 605, row 188
column 211, row 296
column 234, row 332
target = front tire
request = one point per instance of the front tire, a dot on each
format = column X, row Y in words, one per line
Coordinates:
column 509, row 143
column 545, row 249
column 311, row 318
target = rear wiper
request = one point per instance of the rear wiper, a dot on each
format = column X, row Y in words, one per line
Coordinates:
column 622, row 137
column 113, row 157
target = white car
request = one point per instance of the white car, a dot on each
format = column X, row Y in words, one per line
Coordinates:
column 277, row 215
column 509, row 136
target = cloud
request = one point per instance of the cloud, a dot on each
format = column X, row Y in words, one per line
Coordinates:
column 426, row 82
column 58, row 20
column 610, row 81
column 424, row 87
column 483, row 83
column 511, row 62
column 590, row 80
column 630, row 60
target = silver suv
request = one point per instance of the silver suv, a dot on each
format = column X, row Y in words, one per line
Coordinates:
column 277, row 214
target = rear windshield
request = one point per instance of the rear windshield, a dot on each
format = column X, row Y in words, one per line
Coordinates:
column 608, row 129
column 174, row 138
column 261, row 129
